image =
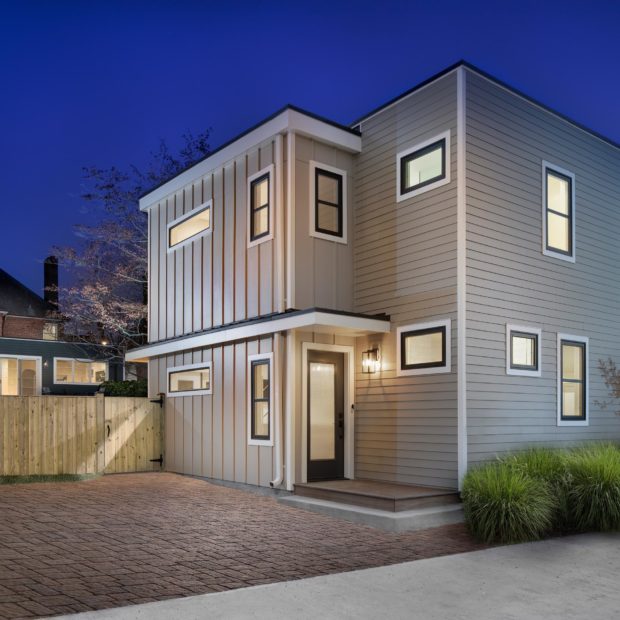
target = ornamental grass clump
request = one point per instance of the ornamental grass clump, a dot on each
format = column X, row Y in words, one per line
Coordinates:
column 503, row 504
column 550, row 466
column 594, row 490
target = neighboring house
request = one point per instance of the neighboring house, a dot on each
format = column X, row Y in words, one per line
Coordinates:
column 395, row 300
column 33, row 358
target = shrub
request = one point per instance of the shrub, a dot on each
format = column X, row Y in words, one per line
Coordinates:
column 550, row 466
column 504, row 504
column 125, row 388
column 594, row 489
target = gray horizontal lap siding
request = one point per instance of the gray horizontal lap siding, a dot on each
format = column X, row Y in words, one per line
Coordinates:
column 405, row 266
column 509, row 280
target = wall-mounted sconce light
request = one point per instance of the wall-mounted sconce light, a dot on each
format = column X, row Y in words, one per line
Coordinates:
column 371, row 361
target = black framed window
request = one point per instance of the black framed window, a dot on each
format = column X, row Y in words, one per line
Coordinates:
column 423, row 167
column 559, row 214
column 423, row 348
column 523, row 351
column 573, row 380
column 328, row 203
column 260, row 399
column 259, row 207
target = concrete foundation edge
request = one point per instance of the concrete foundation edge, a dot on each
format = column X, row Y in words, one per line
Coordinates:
column 404, row 521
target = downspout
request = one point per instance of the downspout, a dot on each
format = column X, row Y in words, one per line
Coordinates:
column 280, row 305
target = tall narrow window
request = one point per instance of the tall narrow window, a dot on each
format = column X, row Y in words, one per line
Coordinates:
column 259, row 399
column 423, row 167
column 189, row 227
column 259, row 207
column 328, row 202
column 573, row 384
column 559, row 212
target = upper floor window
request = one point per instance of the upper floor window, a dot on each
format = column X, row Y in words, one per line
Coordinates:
column 572, row 380
column 190, row 226
column 328, row 209
column 523, row 350
column 260, row 192
column 190, row 380
column 423, row 167
column 259, row 399
column 79, row 372
column 558, row 212
column 424, row 348
column 50, row 331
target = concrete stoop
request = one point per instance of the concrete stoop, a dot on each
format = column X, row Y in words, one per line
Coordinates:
column 403, row 521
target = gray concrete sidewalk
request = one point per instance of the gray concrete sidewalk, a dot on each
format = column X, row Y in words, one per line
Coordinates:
column 563, row 578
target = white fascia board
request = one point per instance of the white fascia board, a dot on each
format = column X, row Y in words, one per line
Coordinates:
column 287, row 120
column 310, row 319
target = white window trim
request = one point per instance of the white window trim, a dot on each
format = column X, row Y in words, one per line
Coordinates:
column 312, row 194
column 586, row 382
column 39, row 369
column 255, row 358
column 77, row 359
column 169, row 371
column 267, row 170
column 427, row 188
column 534, row 331
column 447, row 323
column 207, row 231
column 549, row 166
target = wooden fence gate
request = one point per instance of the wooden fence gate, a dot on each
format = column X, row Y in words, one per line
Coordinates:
column 47, row 435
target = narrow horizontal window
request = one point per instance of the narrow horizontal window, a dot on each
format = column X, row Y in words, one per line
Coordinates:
column 259, row 207
column 186, row 229
column 523, row 348
column 573, row 384
column 328, row 203
column 424, row 348
column 559, row 212
column 79, row 372
column 190, row 380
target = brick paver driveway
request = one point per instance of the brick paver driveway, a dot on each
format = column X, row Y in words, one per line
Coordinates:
column 117, row 540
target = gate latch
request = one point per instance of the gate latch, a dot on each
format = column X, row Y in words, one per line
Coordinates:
column 160, row 400
column 160, row 460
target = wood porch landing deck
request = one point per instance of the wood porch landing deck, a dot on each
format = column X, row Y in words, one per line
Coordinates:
column 379, row 495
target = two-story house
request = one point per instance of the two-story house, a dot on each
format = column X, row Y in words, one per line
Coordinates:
column 392, row 300
column 34, row 357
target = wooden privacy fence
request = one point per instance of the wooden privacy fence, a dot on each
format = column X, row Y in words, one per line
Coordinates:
column 48, row 435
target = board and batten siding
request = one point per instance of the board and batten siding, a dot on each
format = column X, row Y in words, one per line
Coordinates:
column 215, row 279
column 405, row 266
column 207, row 435
column 509, row 280
column 323, row 268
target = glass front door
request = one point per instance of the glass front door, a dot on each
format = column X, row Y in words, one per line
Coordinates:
column 325, row 415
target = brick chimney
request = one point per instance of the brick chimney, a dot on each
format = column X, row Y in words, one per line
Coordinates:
column 50, row 281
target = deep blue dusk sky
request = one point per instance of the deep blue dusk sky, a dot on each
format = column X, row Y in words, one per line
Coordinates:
column 99, row 83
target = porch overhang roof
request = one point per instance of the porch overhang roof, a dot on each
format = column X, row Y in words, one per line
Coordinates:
column 315, row 319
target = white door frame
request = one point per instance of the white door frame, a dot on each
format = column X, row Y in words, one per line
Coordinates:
column 349, row 396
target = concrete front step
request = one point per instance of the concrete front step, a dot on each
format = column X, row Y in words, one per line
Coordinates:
column 402, row 521
column 377, row 494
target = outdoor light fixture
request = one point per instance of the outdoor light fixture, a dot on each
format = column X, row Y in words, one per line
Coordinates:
column 371, row 361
